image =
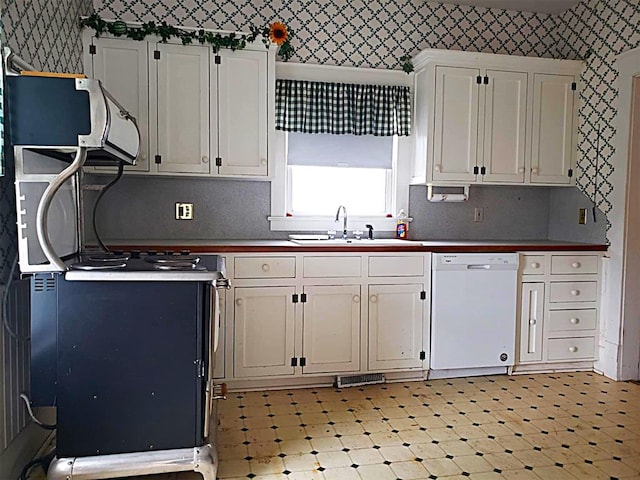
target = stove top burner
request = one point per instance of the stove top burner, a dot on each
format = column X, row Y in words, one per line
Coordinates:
column 172, row 259
column 108, row 257
column 99, row 265
column 192, row 267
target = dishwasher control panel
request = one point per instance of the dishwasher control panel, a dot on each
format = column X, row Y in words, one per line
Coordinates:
column 487, row 261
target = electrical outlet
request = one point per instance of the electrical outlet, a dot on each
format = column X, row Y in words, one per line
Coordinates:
column 478, row 214
column 184, row 211
column 582, row 216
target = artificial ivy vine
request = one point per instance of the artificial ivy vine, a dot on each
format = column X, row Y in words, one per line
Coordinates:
column 276, row 33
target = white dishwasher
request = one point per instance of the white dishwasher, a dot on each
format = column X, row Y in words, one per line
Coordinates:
column 473, row 311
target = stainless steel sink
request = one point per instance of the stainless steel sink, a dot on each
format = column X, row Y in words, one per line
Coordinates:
column 338, row 242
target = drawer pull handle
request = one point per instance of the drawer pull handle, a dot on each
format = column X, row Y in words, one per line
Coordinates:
column 576, row 265
column 532, row 321
column 437, row 168
column 535, row 265
column 205, row 159
column 575, row 293
column 356, row 299
column 265, row 267
column 263, row 162
column 521, row 170
column 374, row 298
column 239, row 302
column 573, row 349
column 575, row 321
column 535, row 170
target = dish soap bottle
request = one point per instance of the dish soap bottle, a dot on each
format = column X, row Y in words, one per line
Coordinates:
column 402, row 228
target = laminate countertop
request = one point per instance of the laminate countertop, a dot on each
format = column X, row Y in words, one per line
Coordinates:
column 278, row 246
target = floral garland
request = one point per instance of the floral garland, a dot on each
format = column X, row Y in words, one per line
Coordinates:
column 276, row 33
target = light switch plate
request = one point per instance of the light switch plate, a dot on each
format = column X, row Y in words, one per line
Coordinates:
column 184, row 211
column 478, row 214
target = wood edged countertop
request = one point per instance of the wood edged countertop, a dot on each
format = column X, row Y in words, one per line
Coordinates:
column 281, row 246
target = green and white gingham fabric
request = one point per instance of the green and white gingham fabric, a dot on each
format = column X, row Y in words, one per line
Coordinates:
column 342, row 108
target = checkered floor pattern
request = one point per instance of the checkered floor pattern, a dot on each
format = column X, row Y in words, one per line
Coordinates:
column 546, row 426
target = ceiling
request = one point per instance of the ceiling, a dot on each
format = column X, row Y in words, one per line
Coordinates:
column 540, row 6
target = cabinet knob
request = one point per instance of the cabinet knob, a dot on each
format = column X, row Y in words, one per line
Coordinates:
column 534, row 170
column 532, row 321
column 356, row 299
column 575, row 321
column 575, row 292
column 239, row 301
column 373, row 298
column 205, row 159
column 437, row 168
column 535, row 265
column 576, row 265
column 265, row 267
column 573, row 349
column 263, row 162
column 521, row 170
column 143, row 156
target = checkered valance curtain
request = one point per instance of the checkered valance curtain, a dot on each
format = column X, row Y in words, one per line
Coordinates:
column 342, row 108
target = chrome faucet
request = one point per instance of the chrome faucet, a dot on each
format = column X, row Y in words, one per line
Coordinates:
column 344, row 223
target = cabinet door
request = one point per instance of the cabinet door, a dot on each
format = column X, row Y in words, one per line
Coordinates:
column 331, row 326
column 552, row 139
column 531, row 322
column 121, row 66
column 456, row 124
column 179, row 99
column 395, row 326
column 264, row 331
column 242, row 109
column 504, row 127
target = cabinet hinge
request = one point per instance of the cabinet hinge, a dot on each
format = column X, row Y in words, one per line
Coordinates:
column 218, row 162
column 483, row 170
column 217, row 60
column 92, row 49
column 423, row 355
column 476, row 170
column 303, row 361
column 423, row 295
column 303, row 297
column 570, row 172
column 294, row 362
column 478, row 79
column 574, row 86
column 158, row 159
column 294, row 298
column 199, row 368
column 486, row 80
column 156, row 54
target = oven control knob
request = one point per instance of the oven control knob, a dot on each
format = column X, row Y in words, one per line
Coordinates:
column 185, row 252
column 135, row 253
column 152, row 252
column 117, row 252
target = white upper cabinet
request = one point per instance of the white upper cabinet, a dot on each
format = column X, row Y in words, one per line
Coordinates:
column 242, row 101
column 199, row 113
column 121, row 66
column 553, row 143
column 180, row 101
column 495, row 119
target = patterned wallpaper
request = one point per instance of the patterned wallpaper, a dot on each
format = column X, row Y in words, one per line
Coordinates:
column 46, row 34
column 598, row 31
column 359, row 33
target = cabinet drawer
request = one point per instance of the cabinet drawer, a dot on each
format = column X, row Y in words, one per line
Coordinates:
column 573, row 292
column 572, row 319
column 319, row 267
column 396, row 266
column 265, row 267
column 581, row 348
column 574, row 264
column 532, row 264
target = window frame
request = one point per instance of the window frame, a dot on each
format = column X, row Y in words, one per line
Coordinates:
column 399, row 178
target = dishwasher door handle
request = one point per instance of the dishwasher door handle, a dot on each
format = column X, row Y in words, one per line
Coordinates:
column 479, row 267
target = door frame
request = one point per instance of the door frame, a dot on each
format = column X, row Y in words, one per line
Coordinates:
column 619, row 334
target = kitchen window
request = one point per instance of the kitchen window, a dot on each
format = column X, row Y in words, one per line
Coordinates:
column 340, row 144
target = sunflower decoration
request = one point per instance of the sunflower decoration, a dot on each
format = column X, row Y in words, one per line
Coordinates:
column 281, row 36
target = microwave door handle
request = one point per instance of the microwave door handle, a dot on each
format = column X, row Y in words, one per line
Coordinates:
column 42, row 214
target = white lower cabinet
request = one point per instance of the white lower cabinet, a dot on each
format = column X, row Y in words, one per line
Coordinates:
column 559, row 308
column 396, row 327
column 299, row 316
column 331, row 329
column 264, row 331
